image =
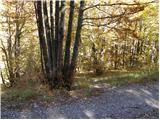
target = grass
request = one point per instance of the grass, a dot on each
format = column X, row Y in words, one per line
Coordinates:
column 82, row 81
column 117, row 78
column 21, row 94
column 26, row 92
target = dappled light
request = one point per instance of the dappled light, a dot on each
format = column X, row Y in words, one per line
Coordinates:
column 113, row 99
column 89, row 114
column 76, row 59
column 145, row 96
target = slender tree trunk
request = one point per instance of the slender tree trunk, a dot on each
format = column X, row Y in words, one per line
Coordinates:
column 123, row 55
column 9, row 57
column 48, row 36
column 3, row 81
column 17, row 50
column 116, row 57
column 76, row 44
column 61, row 34
column 68, row 42
column 43, row 46
column 56, row 81
column 56, row 30
column 60, row 43
column 52, row 38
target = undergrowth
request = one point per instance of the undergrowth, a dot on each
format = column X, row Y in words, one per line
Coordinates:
column 118, row 78
column 32, row 90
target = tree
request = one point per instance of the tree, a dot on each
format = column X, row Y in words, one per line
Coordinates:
column 115, row 35
column 17, row 37
column 124, row 30
column 51, row 39
column 13, row 27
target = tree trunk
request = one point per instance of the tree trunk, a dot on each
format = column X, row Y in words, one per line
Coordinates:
column 76, row 44
column 68, row 42
column 54, row 36
column 61, row 33
column 48, row 36
column 43, row 47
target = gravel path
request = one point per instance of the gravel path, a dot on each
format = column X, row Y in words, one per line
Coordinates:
column 133, row 101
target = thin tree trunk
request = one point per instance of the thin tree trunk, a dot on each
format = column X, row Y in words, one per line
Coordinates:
column 9, row 56
column 56, row 81
column 116, row 57
column 56, row 29
column 48, row 36
column 76, row 44
column 43, row 47
column 17, row 50
column 68, row 41
column 3, row 81
column 52, row 38
column 61, row 33
column 60, row 27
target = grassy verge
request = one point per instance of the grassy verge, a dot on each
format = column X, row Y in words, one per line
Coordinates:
column 14, row 93
column 117, row 78
column 82, row 81
column 26, row 93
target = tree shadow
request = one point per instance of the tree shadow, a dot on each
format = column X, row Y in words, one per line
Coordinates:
column 132, row 101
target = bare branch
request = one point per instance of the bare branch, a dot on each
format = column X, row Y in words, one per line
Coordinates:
column 122, row 3
column 111, row 16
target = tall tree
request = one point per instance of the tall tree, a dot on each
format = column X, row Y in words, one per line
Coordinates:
column 16, row 26
column 68, row 41
column 59, row 74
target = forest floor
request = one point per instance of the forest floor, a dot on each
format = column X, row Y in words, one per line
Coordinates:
column 103, row 101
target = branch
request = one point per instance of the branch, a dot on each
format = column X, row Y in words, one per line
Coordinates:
column 122, row 3
column 105, row 17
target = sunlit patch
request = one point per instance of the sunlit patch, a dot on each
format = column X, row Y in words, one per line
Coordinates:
column 90, row 114
column 145, row 96
column 146, row 92
column 152, row 102
column 97, row 86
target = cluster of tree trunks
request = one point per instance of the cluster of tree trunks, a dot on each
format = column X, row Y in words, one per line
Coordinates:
column 58, row 64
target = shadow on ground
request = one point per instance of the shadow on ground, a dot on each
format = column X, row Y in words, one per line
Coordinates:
column 133, row 101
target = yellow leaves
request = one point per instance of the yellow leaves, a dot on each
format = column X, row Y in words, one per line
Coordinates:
column 140, row 34
column 96, row 29
column 135, row 9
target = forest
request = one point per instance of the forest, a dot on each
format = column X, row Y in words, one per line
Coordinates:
column 62, row 51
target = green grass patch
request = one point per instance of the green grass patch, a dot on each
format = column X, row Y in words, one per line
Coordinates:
column 82, row 81
column 26, row 93
column 13, row 93
column 117, row 78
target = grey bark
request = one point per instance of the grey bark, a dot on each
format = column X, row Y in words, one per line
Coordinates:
column 76, row 44
column 68, row 41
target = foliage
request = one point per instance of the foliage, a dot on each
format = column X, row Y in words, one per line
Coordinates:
column 19, row 45
column 125, row 43
column 118, row 44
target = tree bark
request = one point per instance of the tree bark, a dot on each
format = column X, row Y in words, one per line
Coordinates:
column 48, row 36
column 76, row 44
column 61, row 34
column 54, row 37
column 43, row 46
column 68, row 41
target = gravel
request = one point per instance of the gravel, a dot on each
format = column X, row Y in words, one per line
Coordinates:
column 132, row 101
